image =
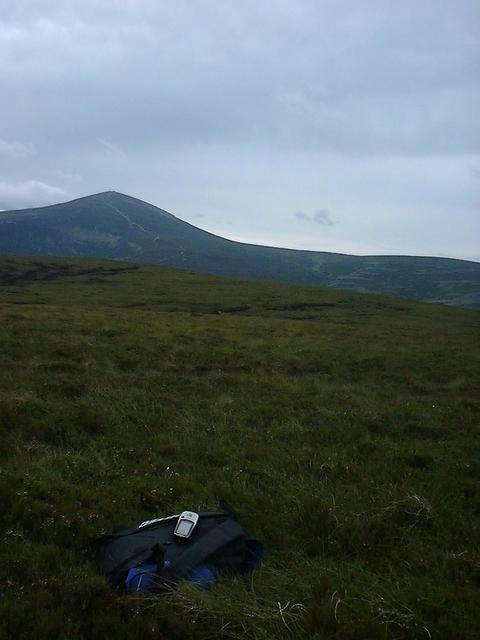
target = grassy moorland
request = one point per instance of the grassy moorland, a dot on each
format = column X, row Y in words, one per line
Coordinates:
column 343, row 427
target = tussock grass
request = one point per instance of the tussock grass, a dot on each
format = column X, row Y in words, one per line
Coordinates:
column 344, row 429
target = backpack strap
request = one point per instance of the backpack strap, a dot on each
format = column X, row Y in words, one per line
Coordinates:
column 197, row 552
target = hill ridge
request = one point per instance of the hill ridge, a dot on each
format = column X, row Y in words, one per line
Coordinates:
column 114, row 225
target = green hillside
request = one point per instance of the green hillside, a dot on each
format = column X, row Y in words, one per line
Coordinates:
column 342, row 426
column 114, row 226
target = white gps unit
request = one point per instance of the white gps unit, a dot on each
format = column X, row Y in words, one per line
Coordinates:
column 186, row 524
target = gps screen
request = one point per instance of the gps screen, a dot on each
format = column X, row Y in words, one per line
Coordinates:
column 184, row 527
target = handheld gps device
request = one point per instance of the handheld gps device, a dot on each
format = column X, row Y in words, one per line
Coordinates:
column 186, row 524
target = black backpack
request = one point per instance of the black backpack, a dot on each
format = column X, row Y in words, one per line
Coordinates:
column 218, row 541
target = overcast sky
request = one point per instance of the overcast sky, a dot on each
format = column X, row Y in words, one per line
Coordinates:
column 339, row 125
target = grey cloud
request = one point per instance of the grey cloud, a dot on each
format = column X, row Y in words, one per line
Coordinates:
column 240, row 111
column 322, row 217
column 301, row 215
column 31, row 193
column 329, row 76
column 16, row 150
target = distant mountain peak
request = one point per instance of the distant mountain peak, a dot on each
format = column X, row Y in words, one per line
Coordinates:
column 117, row 226
column 117, row 196
column 103, row 195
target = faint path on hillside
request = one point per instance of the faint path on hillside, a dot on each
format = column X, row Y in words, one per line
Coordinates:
column 132, row 224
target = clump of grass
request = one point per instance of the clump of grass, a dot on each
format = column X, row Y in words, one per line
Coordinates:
column 236, row 608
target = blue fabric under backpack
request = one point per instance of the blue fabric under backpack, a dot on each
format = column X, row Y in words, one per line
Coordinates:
column 150, row 556
column 143, row 578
